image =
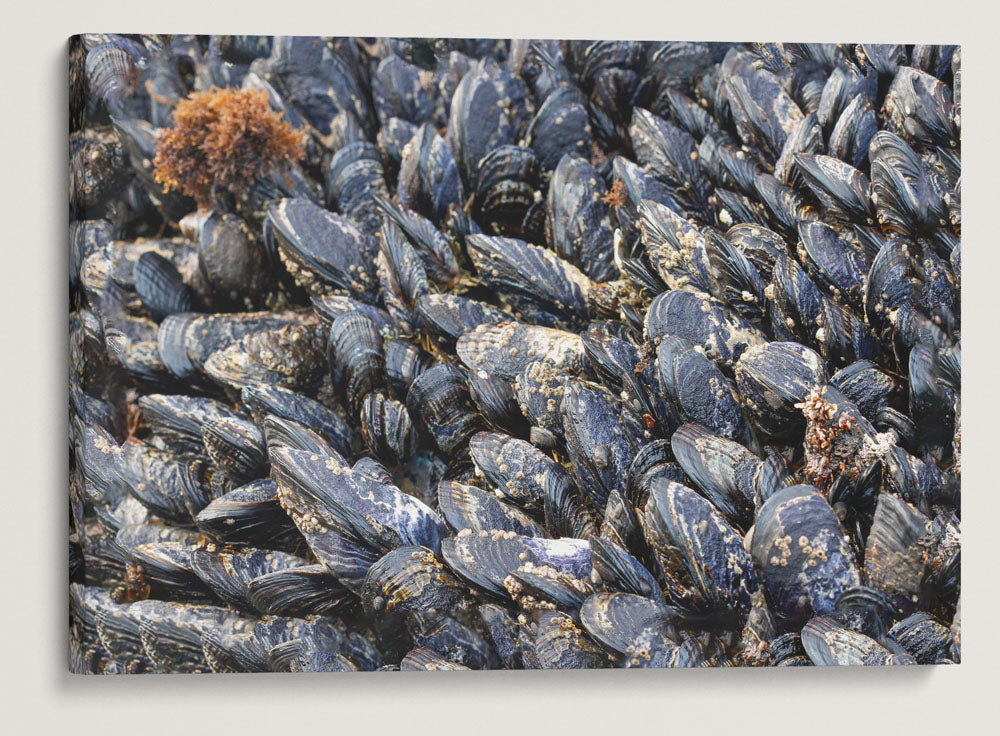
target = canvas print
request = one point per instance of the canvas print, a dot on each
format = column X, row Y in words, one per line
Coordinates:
column 448, row 354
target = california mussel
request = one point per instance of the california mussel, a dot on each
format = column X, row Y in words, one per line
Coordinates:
column 545, row 355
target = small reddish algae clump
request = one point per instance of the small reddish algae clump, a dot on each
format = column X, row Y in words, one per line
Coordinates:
column 223, row 139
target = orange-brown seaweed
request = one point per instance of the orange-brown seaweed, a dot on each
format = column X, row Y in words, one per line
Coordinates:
column 223, row 139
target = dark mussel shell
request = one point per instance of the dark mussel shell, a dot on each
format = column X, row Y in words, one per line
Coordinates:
column 468, row 507
column 439, row 400
column 387, row 429
column 249, row 515
column 602, row 438
column 532, row 277
column 577, row 224
column 503, row 349
column 237, row 447
column 805, row 559
column 323, row 250
column 700, row 549
column 264, row 399
column 357, row 363
column 772, row 379
column 161, row 287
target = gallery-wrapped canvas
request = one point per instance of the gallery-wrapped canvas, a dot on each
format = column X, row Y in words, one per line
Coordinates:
column 416, row 354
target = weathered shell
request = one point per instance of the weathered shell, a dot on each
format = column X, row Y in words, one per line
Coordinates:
column 628, row 624
column 703, row 321
column 322, row 250
column 828, row 643
column 805, row 560
column 439, row 400
column 486, row 558
column 290, row 356
column 531, row 276
column 387, row 430
column 704, row 549
column 468, row 507
column 772, row 378
column 504, row 349
column 521, row 473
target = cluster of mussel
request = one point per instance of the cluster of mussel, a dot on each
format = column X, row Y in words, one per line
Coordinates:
column 546, row 355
